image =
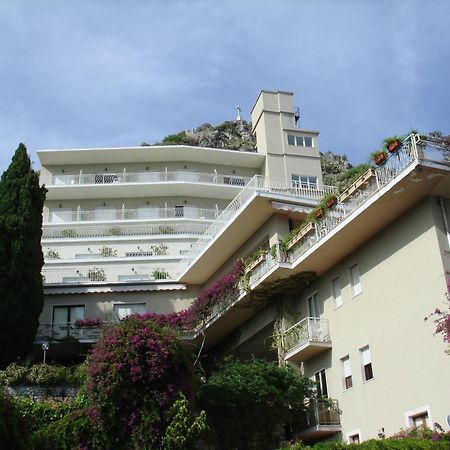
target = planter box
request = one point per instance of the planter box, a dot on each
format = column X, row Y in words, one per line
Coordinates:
column 301, row 234
column 394, row 146
column 379, row 159
column 361, row 181
column 256, row 262
column 332, row 202
column 319, row 213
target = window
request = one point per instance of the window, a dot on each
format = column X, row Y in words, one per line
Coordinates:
column 366, row 362
column 304, row 181
column 420, row 417
column 355, row 280
column 127, row 309
column 420, row 420
column 321, row 382
column 346, row 372
column 313, row 305
column 336, row 291
column 353, row 437
column 64, row 317
column 300, row 141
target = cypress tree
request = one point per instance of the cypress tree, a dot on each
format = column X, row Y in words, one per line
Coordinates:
column 21, row 259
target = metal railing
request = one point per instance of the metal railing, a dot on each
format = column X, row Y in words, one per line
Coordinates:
column 310, row 329
column 111, row 214
column 121, row 230
column 96, row 274
column 321, row 412
column 67, row 332
column 148, row 177
column 257, row 184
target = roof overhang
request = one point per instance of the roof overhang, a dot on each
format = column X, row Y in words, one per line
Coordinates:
column 107, row 287
column 257, row 210
column 160, row 153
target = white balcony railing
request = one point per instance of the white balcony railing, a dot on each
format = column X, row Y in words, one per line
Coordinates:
column 310, row 329
column 257, row 184
column 148, row 177
column 137, row 214
column 107, row 274
column 68, row 331
column 122, row 230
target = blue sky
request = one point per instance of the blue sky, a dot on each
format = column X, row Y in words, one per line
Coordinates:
column 103, row 73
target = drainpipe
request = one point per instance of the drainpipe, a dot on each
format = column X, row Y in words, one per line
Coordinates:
column 444, row 215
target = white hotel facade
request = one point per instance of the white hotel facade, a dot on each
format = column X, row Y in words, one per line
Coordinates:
column 145, row 229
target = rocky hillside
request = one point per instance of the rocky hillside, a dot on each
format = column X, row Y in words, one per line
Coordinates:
column 232, row 135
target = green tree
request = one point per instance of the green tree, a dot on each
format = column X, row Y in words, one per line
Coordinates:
column 248, row 403
column 183, row 429
column 21, row 260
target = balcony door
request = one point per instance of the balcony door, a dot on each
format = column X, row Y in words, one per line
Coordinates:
column 313, row 305
column 64, row 317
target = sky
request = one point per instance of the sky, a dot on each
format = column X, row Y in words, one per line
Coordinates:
column 96, row 73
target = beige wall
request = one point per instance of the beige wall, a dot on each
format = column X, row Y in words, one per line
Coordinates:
column 100, row 305
column 403, row 280
column 273, row 120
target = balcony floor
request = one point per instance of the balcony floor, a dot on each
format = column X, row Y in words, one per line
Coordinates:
column 319, row 432
column 307, row 351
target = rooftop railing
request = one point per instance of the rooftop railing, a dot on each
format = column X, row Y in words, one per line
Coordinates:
column 257, row 184
column 122, row 230
column 118, row 214
column 147, row 177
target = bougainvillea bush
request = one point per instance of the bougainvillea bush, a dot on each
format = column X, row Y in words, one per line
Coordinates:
column 220, row 293
column 135, row 372
column 442, row 321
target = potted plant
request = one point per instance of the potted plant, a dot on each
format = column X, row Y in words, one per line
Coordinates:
column 330, row 200
column 392, row 144
column 379, row 157
column 257, row 257
column 319, row 212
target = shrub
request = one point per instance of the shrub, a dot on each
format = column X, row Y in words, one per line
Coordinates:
column 134, row 373
column 247, row 403
column 73, row 431
column 14, row 433
column 183, row 429
column 38, row 414
column 42, row 375
column 13, row 375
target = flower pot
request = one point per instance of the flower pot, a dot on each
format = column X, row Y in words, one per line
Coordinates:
column 301, row 234
column 319, row 213
column 394, row 146
column 254, row 263
column 332, row 202
column 379, row 158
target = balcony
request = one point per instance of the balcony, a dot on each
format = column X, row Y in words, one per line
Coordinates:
column 306, row 339
column 58, row 216
column 67, row 332
column 120, row 231
column 322, row 420
column 148, row 177
column 106, row 274
column 142, row 184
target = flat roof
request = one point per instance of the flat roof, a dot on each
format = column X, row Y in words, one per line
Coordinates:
column 157, row 153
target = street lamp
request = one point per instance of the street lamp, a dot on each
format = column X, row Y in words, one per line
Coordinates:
column 45, row 346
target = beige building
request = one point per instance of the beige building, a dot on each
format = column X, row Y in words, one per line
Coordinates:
column 144, row 229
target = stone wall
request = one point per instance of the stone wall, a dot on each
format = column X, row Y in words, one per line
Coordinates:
column 40, row 392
